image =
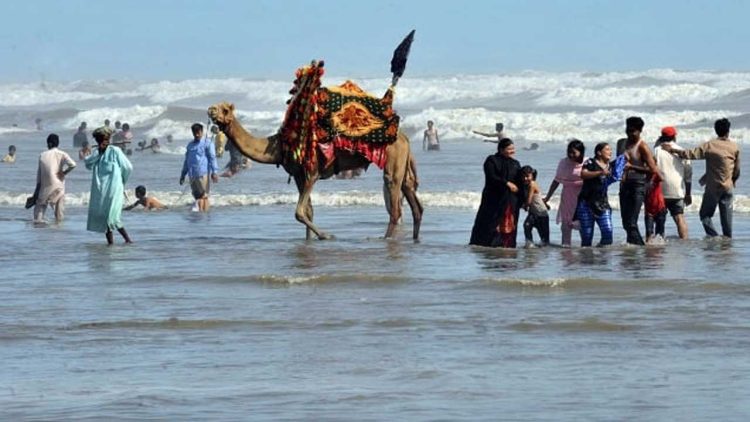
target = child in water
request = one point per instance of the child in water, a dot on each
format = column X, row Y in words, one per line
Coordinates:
column 537, row 216
column 11, row 157
column 85, row 150
column 148, row 202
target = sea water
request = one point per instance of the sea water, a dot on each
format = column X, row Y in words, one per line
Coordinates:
column 234, row 315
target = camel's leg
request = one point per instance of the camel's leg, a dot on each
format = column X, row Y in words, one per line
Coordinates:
column 393, row 178
column 309, row 214
column 304, row 205
column 409, row 190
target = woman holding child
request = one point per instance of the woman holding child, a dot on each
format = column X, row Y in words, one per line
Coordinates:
column 496, row 221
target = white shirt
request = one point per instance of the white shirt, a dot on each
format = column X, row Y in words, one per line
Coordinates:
column 675, row 172
column 51, row 162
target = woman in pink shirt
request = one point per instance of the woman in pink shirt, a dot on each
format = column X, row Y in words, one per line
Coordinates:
column 569, row 175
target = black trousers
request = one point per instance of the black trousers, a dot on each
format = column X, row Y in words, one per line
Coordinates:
column 540, row 223
column 632, row 194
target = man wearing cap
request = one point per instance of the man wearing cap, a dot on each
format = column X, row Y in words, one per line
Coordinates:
column 722, row 157
column 677, row 174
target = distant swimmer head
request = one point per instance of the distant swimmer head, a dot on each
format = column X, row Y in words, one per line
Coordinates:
column 430, row 123
column 499, row 127
column 106, row 122
column 125, row 127
column 118, row 124
column 53, row 140
column 140, row 191
column 12, row 149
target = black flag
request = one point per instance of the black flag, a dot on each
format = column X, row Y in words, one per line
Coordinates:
column 398, row 62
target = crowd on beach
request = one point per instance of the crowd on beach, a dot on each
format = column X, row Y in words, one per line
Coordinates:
column 659, row 180
column 111, row 169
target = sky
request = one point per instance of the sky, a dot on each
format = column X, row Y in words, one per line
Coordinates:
column 55, row 40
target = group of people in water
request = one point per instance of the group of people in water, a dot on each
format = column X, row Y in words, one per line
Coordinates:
column 661, row 178
column 111, row 170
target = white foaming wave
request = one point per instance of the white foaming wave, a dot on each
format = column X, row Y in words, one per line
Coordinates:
column 564, row 89
column 599, row 125
column 341, row 199
column 4, row 130
column 263, row 91
column 24, row 95
column 689, row 94
column 134, row 116
column 180, row 131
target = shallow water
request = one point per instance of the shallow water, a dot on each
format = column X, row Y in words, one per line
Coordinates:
column 233, row 315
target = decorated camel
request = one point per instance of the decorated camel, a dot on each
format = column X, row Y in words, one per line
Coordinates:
column 327, row 130
column 398, row 174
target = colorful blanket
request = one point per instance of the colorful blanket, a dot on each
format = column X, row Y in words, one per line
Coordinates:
column 341, row 117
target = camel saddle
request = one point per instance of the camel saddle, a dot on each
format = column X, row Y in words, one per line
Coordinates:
column 320, row 120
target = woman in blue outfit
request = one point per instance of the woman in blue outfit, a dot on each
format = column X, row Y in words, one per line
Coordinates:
column 593, row 205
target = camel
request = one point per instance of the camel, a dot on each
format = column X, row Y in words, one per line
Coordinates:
column 399, row 174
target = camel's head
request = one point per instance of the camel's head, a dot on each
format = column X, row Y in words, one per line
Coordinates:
column 222, row 114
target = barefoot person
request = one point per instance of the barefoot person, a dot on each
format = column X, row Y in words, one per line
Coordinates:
column 722, row 157
column 200, row 162
column 568, row 175
column 54, row 165
column 110, row 171
column 495, row 223
column 640, row 168
column 677, row 174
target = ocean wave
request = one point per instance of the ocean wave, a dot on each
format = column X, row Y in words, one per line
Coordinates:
column 650, row 87
column 349, row 198
column 134, row 116
column 580, row 326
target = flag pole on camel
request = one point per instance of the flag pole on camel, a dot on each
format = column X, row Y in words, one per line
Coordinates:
column 398, row 62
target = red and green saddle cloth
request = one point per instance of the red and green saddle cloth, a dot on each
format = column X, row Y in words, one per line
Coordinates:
column 323, row 119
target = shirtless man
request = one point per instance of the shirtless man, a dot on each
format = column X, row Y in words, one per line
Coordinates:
column 431, row 140
column 639, row 169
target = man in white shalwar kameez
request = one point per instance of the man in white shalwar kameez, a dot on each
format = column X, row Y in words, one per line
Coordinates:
column 54, row 164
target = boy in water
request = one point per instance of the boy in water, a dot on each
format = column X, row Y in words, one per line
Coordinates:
column 537, row 216
column 11, row 157
column 148, row 202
